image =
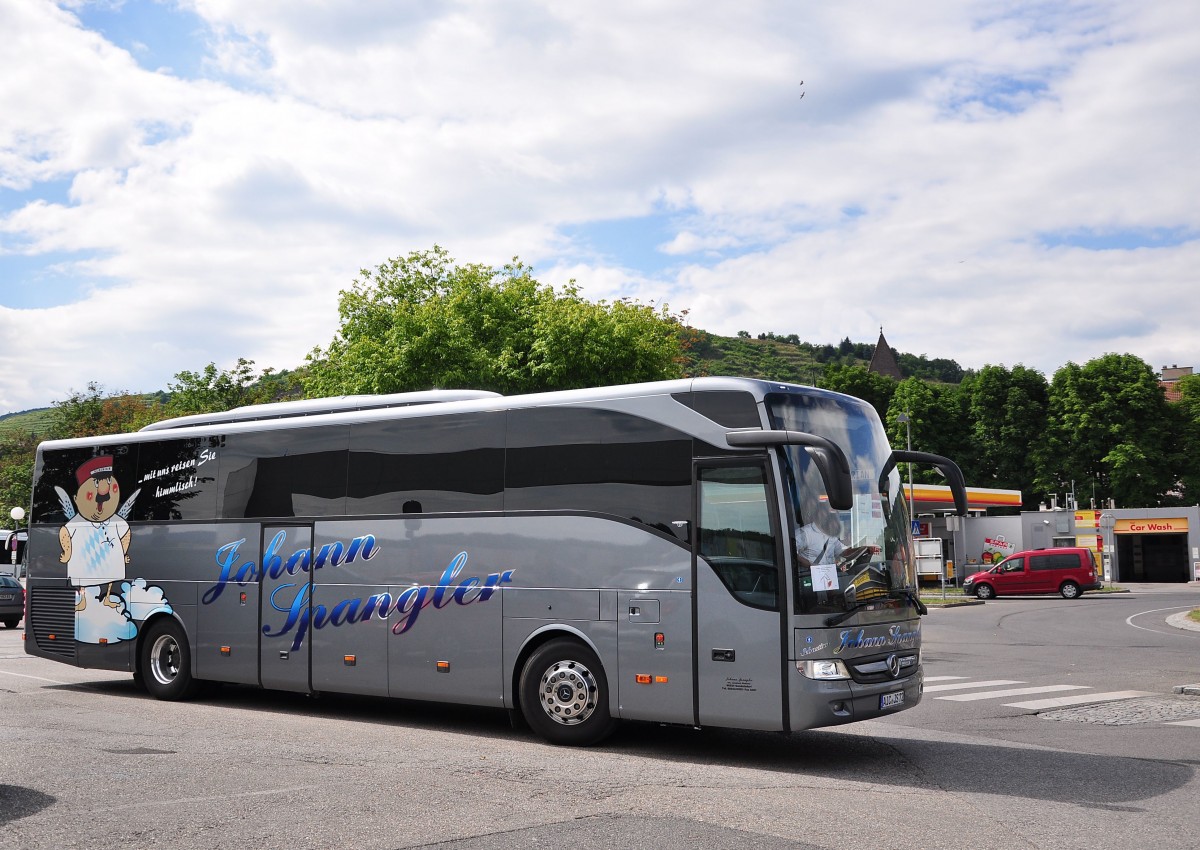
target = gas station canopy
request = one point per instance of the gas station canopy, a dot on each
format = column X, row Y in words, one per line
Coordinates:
column 931, row 498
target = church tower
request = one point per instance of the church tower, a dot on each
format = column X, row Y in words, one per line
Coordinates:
column 883, row 361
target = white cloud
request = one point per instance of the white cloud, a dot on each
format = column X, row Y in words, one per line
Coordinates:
column 932, row 179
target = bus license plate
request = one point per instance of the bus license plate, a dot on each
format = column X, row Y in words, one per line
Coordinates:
column 891, row 700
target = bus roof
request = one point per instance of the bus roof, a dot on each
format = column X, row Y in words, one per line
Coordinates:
column 316, row 406
column 355, row 409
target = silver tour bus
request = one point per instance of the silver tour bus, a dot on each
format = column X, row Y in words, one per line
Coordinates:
column 709, row 552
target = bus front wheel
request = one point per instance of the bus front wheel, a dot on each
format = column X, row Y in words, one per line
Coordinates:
column 564, row 694
column 166, row 662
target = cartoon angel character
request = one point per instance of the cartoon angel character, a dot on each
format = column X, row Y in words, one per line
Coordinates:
column 95, row 540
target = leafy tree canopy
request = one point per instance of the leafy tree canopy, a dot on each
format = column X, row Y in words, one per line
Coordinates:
column 1109, row 425
column 93, row 411
column 1006, row 409
column 1189, row 438
column 16, row 472
column 859, row 382
column 424, row 321
column 214, row 390
column 935, row 423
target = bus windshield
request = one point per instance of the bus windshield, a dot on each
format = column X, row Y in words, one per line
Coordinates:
column 851, row 558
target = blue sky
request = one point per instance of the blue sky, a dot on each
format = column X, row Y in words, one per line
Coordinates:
column 160, row 35
column 193, row 181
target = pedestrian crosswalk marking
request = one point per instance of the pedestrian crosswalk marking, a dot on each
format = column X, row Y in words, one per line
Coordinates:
column 1085, row 697
column 1078, row 699
column 958, row 686
column 1013, row 692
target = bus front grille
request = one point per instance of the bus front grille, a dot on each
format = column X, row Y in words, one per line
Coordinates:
column 52, row 619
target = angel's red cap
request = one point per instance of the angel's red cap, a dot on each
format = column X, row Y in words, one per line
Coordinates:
column 97, row 467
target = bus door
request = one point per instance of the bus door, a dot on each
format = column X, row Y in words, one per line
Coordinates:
column 286, row 599
column 739, row 599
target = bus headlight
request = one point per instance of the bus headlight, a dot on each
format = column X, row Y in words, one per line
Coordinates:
column 823, row 670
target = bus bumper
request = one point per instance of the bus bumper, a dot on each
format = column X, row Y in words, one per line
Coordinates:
column 816, row 704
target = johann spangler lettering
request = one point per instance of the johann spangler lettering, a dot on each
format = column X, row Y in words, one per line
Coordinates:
column 294, row 602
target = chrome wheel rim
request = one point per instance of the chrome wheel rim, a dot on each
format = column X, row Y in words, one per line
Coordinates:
column 164, row 660
column 568, row 692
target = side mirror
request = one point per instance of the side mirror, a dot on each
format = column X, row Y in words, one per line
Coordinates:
column 954, row 476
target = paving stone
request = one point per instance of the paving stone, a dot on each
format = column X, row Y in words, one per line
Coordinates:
column 1128, row 712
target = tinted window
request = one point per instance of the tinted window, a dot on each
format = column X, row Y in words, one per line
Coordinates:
column 177, row 480
column 735, row 533
column 597, row 460
column 1057, row 561
column 294, row 472
column 731, row 408
column 433, row 465
column 62, row 471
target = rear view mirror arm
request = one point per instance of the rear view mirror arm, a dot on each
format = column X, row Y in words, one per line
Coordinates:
column 829, row 457
column 949, row 468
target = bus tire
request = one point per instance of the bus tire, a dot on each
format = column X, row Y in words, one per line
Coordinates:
column 166, row 662
column 564, row 694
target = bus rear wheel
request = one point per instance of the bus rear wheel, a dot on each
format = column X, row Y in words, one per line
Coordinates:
column 564, row 694
column 166, row 662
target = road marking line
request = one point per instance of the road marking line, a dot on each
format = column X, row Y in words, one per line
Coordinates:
column 1014, row 692
column 961, row 685
column 1129, row 619
column 39, row 678
column 942, row 678
column 1195, row 722
column 1060, row 702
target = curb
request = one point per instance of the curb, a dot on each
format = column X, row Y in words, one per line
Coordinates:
column 1183, row 621
column 1189, row 690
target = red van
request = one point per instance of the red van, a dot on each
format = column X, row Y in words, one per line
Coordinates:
column 1069, row 571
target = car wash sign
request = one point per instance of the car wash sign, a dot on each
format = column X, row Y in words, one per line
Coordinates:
column 1169, row 525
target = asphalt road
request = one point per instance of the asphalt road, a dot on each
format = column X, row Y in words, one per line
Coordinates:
column 87, row 760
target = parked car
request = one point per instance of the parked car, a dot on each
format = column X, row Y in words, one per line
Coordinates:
column 1069, row 571
column 12, row 601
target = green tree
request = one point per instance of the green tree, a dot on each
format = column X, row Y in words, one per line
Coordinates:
column 936, row 421
column 1007, row 411
column 16, row 473
column 1188, row 408
column 214, row 390
column 93, row 412
column 859, row 382
column 423, row 321
column 1109, row 425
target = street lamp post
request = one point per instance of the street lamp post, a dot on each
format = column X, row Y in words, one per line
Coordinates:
column 906, row 420
column 17, row 514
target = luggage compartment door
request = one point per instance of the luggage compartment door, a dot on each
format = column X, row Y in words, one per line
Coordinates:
column 286, row 600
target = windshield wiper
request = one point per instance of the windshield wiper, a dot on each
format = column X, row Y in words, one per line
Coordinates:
column 838, row 619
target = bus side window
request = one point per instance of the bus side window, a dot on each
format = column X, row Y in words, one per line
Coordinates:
column 735, row 533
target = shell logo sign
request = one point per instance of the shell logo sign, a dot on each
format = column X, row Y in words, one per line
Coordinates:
column 1172, row 525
